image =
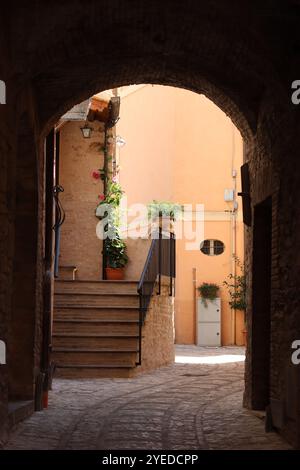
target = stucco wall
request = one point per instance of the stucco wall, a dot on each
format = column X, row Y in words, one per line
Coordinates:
column 137, row 251
column 181, row 147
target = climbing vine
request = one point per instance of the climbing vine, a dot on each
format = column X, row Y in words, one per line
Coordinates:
column 236, row 286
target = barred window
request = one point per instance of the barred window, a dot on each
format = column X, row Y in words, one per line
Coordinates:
column 212, row 247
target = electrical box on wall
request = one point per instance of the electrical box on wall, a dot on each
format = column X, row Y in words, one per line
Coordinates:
column 228, row 195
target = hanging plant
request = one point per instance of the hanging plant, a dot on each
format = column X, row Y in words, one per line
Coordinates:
column 208, row 291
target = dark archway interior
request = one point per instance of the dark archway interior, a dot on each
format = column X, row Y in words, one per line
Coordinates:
column 23, row 319
column 241, row 55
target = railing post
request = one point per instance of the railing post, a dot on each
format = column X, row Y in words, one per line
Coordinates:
column 140, row 328
column 174, row 260
column 159, row 252
column 171, row 263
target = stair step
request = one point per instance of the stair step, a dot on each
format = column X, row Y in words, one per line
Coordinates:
column 98, row 307
column 94, row 372
column 93, row 300
column 94, row 366
column 94, row 358
column 95, row 335
column 87, row 321
column 95, row 327
column 98, row 313
column 95, row 341
column 96, row 350
column 98, row 287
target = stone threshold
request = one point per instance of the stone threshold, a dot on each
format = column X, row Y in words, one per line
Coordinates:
column 19, row 410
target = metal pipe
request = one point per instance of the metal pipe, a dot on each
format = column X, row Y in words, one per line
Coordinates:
column 194, row 273
column 57, row 250
column 159, row 253
column 233, row 228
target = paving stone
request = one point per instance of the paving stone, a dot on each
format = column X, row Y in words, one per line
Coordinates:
column 181, row 406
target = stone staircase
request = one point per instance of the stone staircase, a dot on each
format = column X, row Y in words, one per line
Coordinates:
column 95, row 328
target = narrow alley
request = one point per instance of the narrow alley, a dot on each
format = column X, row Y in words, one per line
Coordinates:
column 195, row 403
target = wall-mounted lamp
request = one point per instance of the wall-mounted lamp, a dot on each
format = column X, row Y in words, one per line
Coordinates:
column 86, row 131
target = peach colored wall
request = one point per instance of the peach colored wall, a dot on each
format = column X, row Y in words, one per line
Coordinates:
column 147, row 122
column 181, row 147
column 137, row 251
column 78, row 158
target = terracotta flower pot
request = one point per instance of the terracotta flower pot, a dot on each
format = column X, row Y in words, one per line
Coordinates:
column 114, row 274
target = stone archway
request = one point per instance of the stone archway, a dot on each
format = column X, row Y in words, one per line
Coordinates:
column 22, row 334
column 237, row 78
column 229, row 53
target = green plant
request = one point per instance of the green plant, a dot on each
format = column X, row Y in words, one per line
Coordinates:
column 112, row 200
column 236, row 286
column 113, row 194
column 114, row 246
column 165, row 209
column 115, row 250
column 208, row 291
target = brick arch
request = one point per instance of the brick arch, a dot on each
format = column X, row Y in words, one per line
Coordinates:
column 203, row 47
column 82, row 85
column 207, row 47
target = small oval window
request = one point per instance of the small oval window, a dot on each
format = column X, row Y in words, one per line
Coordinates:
column 212, row 247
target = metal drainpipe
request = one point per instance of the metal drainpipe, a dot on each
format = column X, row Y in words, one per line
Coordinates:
column 194, row 274
column 233, row 222
column 104, row 192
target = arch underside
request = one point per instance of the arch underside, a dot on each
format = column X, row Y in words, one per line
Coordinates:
column 80, row 82
column 203, row 48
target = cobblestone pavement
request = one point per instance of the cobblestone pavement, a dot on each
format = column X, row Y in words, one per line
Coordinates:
column 195, row 403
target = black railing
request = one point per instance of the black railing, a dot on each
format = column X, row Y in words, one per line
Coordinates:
column 160, row 262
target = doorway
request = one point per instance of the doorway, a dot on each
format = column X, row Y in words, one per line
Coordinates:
column 261, row 295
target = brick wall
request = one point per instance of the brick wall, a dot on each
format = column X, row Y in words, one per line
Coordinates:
column 80, row 246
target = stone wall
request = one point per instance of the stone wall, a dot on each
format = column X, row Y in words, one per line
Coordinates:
column 158, row 331
column 273, row 172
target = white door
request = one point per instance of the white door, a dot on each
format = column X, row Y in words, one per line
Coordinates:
column 209, row 322
column 209, row 334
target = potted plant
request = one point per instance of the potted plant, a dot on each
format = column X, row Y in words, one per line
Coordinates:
column 114, row 247
column 208, row 291
column 236, row 286
column 116, row 258
column 163, row 213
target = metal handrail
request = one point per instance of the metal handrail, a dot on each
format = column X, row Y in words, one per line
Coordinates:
column 160, row 261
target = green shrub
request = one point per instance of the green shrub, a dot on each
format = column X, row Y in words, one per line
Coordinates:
column 208, row 291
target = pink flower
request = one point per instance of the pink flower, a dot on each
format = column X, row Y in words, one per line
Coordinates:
column 114, row 179
column 96, row 174
column 101, row 197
